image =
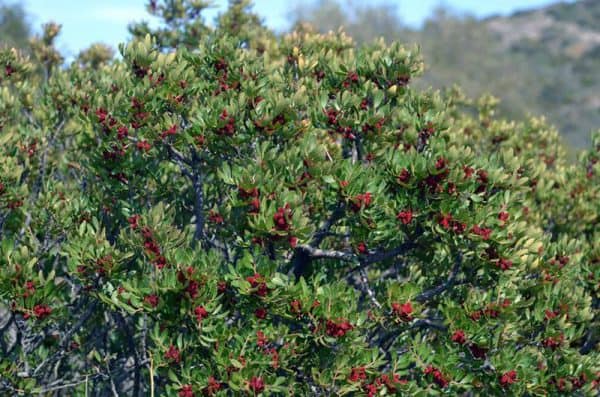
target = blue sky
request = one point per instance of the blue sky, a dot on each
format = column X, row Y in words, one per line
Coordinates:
column 88, row 21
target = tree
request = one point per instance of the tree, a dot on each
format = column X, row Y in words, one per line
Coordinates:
column 364, row 23
column 290, row 217
column 14, row 29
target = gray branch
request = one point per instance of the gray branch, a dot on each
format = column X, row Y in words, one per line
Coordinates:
column 433, row 292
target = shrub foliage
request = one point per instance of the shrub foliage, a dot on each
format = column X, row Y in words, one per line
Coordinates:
column 223, row 211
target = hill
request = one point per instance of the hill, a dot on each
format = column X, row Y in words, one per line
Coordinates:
column 563, row 42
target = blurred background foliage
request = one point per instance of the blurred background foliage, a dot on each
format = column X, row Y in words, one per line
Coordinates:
column 14, row 26
column 543, row 61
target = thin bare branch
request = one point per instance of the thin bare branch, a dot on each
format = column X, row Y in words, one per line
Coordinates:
column 317, row 253
column 433, row 292
column 364, row 282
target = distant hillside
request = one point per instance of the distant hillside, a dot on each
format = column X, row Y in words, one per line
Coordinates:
column 562, row 43
column 544, row 61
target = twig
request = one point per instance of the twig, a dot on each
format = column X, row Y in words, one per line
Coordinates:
column 198, row 205
column 336, row 215
column 178, row 159
column 301, row 258
column 364, row 281
column 67, row 338
column 427, row 295
column 589, row 343
column 381, row 256
column 113, row 387
column 151, row 377
column 386, row 340
column 317, row 253
column 131, row 343
column 60, row 384
column 195, row 176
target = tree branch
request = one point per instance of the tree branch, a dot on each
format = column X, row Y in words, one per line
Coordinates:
column 64, row 384
column 383, row 255
column 336, row 215
column 364, row 281
column 386, row 340
column 178, row 159
column 590, row 342
column 431, row 293
column 317, row 253
column 67, row 338
column 198, row 205
column 302, row 258
column 190, row 170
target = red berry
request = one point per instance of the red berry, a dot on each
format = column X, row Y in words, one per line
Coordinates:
column 256, row 384
column 215, row 217
column 445, row 221
column 143, row 146
column 357, row 374
column 468, row 171
column 459, row 337
column 405, row 216
column 186, row 391
column 403, row 310
column 505, row 264
column 172, row 130
column 212, row 387
column 261, row 313
column 361, row 248
column 173, row 354
column 437, row 375
column 296, row 306
column 261, row 340
column 282, row 217
column 441, row 163
column 508, row 378
column 361, row 201
column 201, row 313
column 221, row 287
column 549, row 315
column 482, row 231
column 152, row 300
column 338, row 330
column 404, row 176
column 41, row 311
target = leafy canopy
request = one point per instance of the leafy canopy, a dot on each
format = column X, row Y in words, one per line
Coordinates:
column 223, row 211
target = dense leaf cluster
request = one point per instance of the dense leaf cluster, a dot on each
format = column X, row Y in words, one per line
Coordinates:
column 245, row 214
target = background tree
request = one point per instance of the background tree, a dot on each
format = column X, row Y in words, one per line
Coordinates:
column 14, row 27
